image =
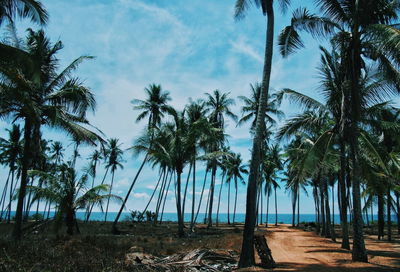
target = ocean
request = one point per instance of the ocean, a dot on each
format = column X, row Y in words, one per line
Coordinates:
column 222, row 218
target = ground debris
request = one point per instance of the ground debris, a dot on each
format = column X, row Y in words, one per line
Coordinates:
column 193, row 261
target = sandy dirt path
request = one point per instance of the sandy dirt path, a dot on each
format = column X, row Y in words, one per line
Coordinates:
column 298, row 250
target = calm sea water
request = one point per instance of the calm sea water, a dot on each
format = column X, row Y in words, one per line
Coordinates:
column 223, row 218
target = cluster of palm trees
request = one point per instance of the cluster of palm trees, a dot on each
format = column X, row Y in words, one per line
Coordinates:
column 350, row 137
column 175, row 141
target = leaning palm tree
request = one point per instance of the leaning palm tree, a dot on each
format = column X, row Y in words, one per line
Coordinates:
column 114, row 154
column 94, row 158
column 70, row 194
column 364, row 32
column 267, row 8
column 57, row 100
column 153, row 107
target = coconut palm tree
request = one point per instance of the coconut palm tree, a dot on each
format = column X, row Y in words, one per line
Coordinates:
column 34, row 92
column 94, row 160
column 218, row 105
column 364, row 31
column 32, row 9
column 70, row 194
column 251, row 105
column 114, row 155
column 153, row 107
column 267, row 8
column 235, row 171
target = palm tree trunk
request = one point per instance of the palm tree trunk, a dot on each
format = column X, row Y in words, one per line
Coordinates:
column 389, row 216
column 108, row 199
column 333, row 204
column 343, row 199
column 276, row 208
column 161, row 195
column 186, row 188
column 219, row 199
column 322, row 209
column 294, row 201
column 234, row 207
column 398, row 210
column 114, row 225
column 201, row 197
column 247, row 252
column 212, row 187
column 359, row 252
column 193, row 194
column 267, row 213
column 3, row 195
column 102, row 182
column 165, row 199
column 229, row 202
column 178, row 206
column 26, row 158
column 298, row 206
column 12, row 190
column 154, row 191
column 381, row 219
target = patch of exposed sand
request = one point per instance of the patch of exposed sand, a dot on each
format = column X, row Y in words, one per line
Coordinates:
column 298, row 250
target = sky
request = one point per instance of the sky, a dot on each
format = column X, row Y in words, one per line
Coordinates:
column 190, row 48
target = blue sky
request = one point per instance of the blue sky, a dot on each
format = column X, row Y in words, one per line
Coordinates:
column 189, row 47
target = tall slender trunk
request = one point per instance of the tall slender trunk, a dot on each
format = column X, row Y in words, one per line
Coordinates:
column 343, row 199
column 212, row 187
column 359, row 252
column 267, row 212
column 294, row 202
column 389, row 216
column 398, row 210
column 229, row 202
column 12, row 190
column 102, row 182
column 247, row 252
column 219, row 199
column 4, row 195
column 234, row 207
column 178, row 205
column 108, row 199
column 201, row 197
column 114, row 225
column 381, row 218
column 298, row 206
column 161, row 195
column 276, row 208
column 186, row 188
column 193, row 194
column 333, row 204
column 165, row 199
column 322, row 208
column 26, row 158
column 154, row 191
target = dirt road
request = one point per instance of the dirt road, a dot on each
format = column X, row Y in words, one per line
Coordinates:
column 298, row 250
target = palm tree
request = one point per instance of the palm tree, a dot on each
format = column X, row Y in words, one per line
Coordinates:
column 218, row 105
column 69, row 193
column 359, row 27
column 235, row 169
column 251, row 105
column 198, row 126
column 34, row 92
column 11, row 150
column 114, row 154
column 153, row 107
column 247, row 253
column 32, row 9
column 94, row 158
